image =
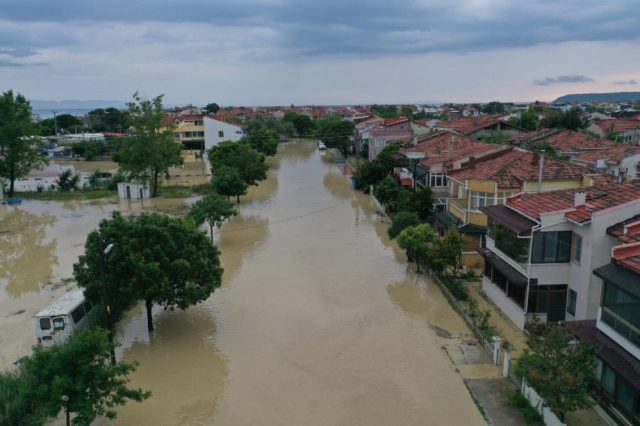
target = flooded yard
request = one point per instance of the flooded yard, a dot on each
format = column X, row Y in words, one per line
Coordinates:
column 319, row 321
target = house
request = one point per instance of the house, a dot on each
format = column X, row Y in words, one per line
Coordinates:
column 390, row 130
column 528, row 138
column 469, row 111
column 620, row 161
column 364, row 127
column 626, row 131
column 567, row 143
column 541, row 248
column 188, row 130
column 420, row 127
column 481, row 127
column 491, row 181
column 216, row 131
column 134, row 190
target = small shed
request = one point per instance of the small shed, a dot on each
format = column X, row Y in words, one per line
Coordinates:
column 134, row 190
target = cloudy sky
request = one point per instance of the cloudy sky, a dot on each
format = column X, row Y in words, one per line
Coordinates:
column 268, row 52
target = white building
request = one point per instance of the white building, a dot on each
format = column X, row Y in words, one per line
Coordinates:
column 541, row 248
column 134, row 190
column 216, row 131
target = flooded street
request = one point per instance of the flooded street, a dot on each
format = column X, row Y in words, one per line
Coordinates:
column 319, row 320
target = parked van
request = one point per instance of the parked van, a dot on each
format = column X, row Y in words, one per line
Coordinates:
column 55, row 324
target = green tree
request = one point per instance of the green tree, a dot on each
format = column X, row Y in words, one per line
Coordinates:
column 303, row 123
column 529, row 119
column 401, row 221
column 67, row 181
column 227, row 181
column 239, row 155
column 388, row 192
column 335, row 132
column 415, row 241
column 213, row 209
column 212, row 108
column 76, row 378
column 372, row 173
column 16, row 408
column 571, row 119
column 494, row 107
column 16, row 143
column 547, row 149
column 65, row 121
column 264, row 141
column 152, row 150
column 424, row 202
column 445, row 255
column 560, row 368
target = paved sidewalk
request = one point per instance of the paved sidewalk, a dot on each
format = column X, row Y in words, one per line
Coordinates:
column 492, row 394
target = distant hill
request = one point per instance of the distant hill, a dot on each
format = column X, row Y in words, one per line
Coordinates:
column 36, row 104
column 600, row 97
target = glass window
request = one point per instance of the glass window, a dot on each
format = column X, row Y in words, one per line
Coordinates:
column 221, row 134
column 626, row 394
column 58, row 324
column 500, row 280
column 45, row 323
column 437, row 179
column 577, row 248
column 87, row 305
column 77, row 314
column 622, row 305
column 551, row 247
column 509, row 243
column 608, row 379
column 573, row 300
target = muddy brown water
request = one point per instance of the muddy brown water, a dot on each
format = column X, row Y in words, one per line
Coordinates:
column 319, row 320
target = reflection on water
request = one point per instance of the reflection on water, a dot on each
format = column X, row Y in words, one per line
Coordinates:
column 26, row 260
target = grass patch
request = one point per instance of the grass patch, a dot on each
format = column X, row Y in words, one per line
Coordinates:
column 87, row 194
column 183, row 191
column 521, row 403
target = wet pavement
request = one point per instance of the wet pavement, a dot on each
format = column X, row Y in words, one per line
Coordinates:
column 320, row 321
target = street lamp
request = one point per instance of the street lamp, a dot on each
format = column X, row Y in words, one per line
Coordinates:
column 414, row 158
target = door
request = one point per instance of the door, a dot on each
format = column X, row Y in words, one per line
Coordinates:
column 141, row 193
column 557, row 306
column 128, row 191
column 61, row 330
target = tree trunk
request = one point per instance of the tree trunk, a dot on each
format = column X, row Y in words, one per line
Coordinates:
column 113, row 350
column 12, row 179
column 238, row 198
column 211, row 226
column 149, row 316
column 155, row 184
column 417, row 264
column 11, row 187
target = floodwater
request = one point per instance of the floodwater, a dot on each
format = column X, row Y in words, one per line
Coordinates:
column 319, row 321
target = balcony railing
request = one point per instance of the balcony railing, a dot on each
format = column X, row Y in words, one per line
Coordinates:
column 402, row 173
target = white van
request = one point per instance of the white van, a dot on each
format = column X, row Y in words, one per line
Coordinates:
column 55, row 324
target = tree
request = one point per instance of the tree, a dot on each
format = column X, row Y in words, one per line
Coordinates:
column 67, row 181
column 529, row 119
column 373, row 172
column 212, row 108
column 415, row 240
column 264, row 141
column 571, row 119
column 560, row 368
column 424, row 202
column 388, row 192
column 547, row 149
column 213, row 209
column 445, row 255
column 16, row 408
column 239, row 155
column 401, row 221
column 494, row 107
column 16, row 145
column 303, row 123
column 152, row 150
column 76, row 378
column 335, row 132
column 155, row 258
column 227, row 181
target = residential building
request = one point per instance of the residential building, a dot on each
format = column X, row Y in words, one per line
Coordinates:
column 491, row 181
column 216, row 131
column 541, row 248
column 391, row 129
column 615, row 332
column 626, row 131
column 188, row 129
column 420, row 127
column 484, row 127
column 469, row 111
column 621, row 161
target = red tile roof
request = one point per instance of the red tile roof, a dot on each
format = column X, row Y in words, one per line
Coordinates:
column 468, row 125
column 628, row 256
column 612, row 155
column 599, row 198
column 627, row 231
column 392, row 121
column 511, row 169
column 570, row 141
column 438, row 146
column 615, row 125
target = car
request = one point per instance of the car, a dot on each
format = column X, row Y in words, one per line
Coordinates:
column 321, row 146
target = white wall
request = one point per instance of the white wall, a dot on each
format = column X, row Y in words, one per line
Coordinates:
column 134, row 189
column 212, row 129
column 506, row 305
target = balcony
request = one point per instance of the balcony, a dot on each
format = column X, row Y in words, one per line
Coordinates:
column 403, row 175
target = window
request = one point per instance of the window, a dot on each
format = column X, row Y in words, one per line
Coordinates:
column 437, row 179
column 573, row 299
column 377, row 143
column 87, row 305
column 577, row 248
column 197, row 123
column 77, row 314
column 45, row 323
column 58, row 323
column 621, row 311
column 551, row 247
column 221, row 134
column 508, row 242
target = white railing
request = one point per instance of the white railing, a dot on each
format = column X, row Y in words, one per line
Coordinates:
column 402, row 173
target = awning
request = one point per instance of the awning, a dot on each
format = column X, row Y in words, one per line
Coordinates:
column 512, row 220
column 623, row 278
column 447, row 219
column 515, row 277
column 470, row 228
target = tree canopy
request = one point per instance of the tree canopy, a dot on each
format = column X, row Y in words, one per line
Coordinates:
column 212, row 108
column 529, row 119
column 493, row 107
column 335, row 132
column 155, row 258
column 571, row 119
column 402, row 221
column 303, row 123
column 213, row 209
column 152, row 150
column 76, row 378
column 16, row 145
column 240, row 156
column 445, row 254
column 415, row 240
column 227, row 181
column 264, row 141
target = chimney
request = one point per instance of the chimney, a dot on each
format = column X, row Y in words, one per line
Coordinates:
column 472, row 161
column 580, row 198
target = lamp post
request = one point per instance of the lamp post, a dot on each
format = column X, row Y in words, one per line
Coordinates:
column 414, row 158
column 103, row 254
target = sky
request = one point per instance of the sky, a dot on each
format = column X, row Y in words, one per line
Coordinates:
column 278, row 52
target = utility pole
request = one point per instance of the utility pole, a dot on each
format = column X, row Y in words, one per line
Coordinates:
column 415, row 157
column 55, row 120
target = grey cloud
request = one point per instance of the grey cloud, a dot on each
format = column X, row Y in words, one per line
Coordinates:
column 624, row 82
column 4, row 63
column 573, row 78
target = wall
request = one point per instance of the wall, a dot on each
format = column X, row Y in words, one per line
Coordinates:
column 550, row 419
column 508, row 307
column 212, row 128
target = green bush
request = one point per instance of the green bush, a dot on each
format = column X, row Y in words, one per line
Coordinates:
column 401, row 221
column 457, row 288
column 519, row 402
